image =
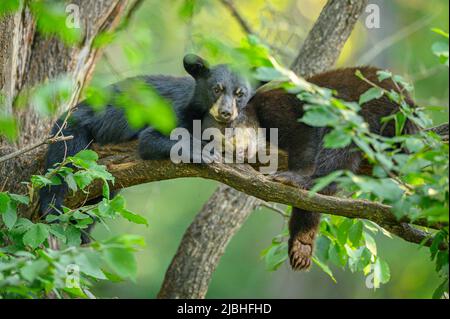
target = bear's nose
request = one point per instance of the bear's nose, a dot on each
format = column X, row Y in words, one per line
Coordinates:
column 226, row 115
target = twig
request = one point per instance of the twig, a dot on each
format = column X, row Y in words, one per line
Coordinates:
column 4, row 184
column 275, row 209
column 396, row 37
column 111, row 66
column 130, row 14
column 244, row 25
column 29, row 148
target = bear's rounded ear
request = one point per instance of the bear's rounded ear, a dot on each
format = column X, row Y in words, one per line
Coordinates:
column 195, row 65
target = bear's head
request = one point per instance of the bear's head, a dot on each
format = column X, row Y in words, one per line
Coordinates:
column 219, row 90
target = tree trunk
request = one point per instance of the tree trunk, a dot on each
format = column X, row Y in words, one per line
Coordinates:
column 325, row 41
column 28, row 58
column 318, row 53
column 204, row 243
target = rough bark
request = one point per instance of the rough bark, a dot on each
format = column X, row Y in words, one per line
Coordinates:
column 327, row 36
column 206, row 241
column 28, row 58
column 325, row 41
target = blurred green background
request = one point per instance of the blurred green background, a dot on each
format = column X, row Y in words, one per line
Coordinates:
column 155, row 42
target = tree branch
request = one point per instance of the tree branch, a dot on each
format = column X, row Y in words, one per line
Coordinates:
column 123, row 162
column 50, row 140
column 244, row 25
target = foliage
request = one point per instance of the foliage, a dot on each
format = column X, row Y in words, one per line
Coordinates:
column 45, row 257
column 440, row 49
column 142, row 105
column 414, row 183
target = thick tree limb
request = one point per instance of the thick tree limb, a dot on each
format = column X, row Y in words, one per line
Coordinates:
column 128, row 170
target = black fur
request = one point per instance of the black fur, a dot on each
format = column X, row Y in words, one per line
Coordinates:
column 191, row 97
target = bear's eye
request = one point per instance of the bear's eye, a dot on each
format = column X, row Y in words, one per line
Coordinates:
column 239, row 93
column 218, row 88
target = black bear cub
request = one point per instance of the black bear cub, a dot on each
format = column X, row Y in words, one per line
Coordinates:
column 307, row 158
column 214, row 90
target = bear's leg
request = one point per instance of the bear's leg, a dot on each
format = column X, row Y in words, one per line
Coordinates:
column 303, row 227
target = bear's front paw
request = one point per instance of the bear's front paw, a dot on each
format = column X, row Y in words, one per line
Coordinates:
column 292, row 179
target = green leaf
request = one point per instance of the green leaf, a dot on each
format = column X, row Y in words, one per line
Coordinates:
column 440, row 32
column 8, row 6
column 36, row 235
column 71, row 183
column 187, row 9
column 318, row 117
column 90, row 264
column 82, row 179
column 439, row 292
column 440, row 49
column 372, row 94
column 355, row 233
column 128, row 241
column 121, row 261
column 269, row 74
column 343, row 230
column 75, row 292
column 381, row 273
column 51, row 18
column 9, row 128
column 103, row 39
column 324, row 268
column 73, row 235
column 358, row 259
column 275, row 255
column 57, row 231
column 105, row 190
column 10, row 215
column 144, row 106
column 34, row 269
column 371, row 244
column 20, row 199
column 117, row 203
column 134, row 218
column 8, row 210
column 22, row 225
column 384, row 75
column 4, row 202
column 337, row 254
column 414, row 145
column 48, row 97
column 41, row 181
column 87, row 155
column 321, row 183
column 337, row 139
column 79, row 215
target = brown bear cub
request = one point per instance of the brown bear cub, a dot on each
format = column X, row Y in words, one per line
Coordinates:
column 307, row 158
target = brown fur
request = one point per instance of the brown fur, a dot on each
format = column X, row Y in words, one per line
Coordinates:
column 307, row 157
